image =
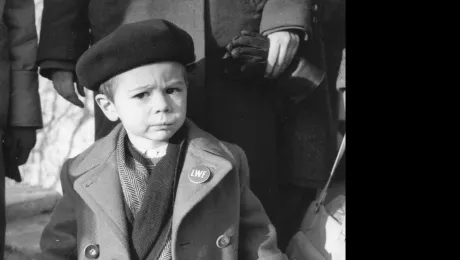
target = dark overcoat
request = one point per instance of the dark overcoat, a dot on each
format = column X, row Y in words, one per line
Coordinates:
column 92, row 211
column 19, row 99
column 239, row 112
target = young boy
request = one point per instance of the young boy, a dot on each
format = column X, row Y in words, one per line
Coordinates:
column 157, row 187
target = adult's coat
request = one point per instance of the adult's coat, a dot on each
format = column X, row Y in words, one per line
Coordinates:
column 19, row 99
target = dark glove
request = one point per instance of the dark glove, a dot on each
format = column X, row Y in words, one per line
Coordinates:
column 19, row 142
column 246, row 56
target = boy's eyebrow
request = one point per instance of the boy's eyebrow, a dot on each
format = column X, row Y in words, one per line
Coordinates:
column 174, row 81
column 137, row 88
column 169, row 83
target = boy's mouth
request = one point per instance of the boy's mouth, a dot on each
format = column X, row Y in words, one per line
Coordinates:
column 161, row 126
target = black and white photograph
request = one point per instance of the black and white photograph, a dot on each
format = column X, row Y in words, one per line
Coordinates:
column 172, row 129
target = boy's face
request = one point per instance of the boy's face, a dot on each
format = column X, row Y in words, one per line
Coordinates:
column 150, row 101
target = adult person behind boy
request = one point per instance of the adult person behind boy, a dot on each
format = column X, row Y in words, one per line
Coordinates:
column 305, row 142
column 156, row 187
column 20, row 111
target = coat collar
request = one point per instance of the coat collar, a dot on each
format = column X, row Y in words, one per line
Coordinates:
column 198, row 138
column 98, row 182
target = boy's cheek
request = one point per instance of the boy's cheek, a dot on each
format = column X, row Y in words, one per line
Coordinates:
column 127, row 107
column 181, row 103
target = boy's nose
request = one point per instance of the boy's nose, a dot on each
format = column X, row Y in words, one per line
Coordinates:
column 161, row 104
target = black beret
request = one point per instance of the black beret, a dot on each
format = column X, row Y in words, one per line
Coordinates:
column 132, row 45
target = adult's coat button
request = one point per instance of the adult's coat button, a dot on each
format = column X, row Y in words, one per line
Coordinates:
column 92, row 251
column 223, row 241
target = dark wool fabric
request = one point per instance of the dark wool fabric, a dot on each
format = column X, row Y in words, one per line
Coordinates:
column 150, row 227
column 139, row 178
column 133, row 155
column 134, row 174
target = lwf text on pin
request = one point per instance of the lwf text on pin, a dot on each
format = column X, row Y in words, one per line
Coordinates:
column 198, row 173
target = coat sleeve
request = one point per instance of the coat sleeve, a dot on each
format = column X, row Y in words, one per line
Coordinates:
column 25, row 109
column 59, row 237
column 64, row 35
column 279, row 15
column 304, row 74
column 257, row 238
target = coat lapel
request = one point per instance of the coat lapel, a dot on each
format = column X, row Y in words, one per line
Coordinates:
column 99, row 186
column 202, row 150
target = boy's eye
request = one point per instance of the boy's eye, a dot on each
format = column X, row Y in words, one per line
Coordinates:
column 141, row 95
column 172, row 90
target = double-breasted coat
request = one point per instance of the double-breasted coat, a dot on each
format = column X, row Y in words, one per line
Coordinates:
column 235, row 111
column 217, row 219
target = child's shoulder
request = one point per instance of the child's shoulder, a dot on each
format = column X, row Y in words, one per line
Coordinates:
column 230, row 152
column 205, row 140
column 94, row 155
column 232, row 149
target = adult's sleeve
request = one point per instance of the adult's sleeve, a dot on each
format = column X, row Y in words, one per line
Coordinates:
column 25, row 109
column 281, row 15
column 64, row 35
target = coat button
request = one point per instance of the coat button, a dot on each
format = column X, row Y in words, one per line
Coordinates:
column 315, row 20
column 92, row 251
column 223, row 241
column 315, row 8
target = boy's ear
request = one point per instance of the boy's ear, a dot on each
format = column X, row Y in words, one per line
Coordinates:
column 107, row 107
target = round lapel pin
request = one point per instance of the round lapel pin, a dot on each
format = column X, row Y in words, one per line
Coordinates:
column 199, row 174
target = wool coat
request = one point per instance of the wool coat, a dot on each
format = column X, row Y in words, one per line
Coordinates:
column 91, row 212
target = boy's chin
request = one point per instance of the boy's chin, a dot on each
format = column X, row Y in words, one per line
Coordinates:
column 160, row 136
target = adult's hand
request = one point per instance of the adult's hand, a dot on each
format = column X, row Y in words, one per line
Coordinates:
column 283, row 47
column 63, row 82
column 246, row 56
column 21, row 140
